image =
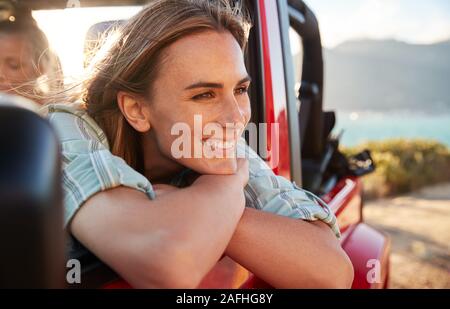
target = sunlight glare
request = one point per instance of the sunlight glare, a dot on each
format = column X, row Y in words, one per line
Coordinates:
column 66, row 30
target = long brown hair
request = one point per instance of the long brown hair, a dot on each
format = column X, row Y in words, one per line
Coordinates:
column 132, row 60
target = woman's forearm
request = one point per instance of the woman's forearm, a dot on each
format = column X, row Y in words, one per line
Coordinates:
column 203, row 221
column 289, row 253
column 172, row 241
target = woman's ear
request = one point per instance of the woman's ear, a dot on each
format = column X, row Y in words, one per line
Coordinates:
column 134, row 111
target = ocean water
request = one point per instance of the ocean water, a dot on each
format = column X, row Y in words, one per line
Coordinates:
column 363, row 126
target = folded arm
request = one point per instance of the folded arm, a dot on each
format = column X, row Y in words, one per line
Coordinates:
column 290, row 253
column 172, row 241
column 286, row 236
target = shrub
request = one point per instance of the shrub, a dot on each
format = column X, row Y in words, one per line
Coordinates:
column 404, row 165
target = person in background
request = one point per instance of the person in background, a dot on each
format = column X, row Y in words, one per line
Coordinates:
column 28, row 67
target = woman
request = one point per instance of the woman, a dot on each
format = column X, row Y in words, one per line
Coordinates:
column 127, row 192
column 27, row 65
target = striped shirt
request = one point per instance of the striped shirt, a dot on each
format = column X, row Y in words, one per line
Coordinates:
column 89, row 167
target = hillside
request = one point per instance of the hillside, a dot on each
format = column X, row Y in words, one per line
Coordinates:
column 386, row 75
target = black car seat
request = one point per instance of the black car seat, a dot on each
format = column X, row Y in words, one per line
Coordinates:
column 31, row 224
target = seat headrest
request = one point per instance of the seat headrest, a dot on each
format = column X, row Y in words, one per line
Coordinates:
column 95, row 34
column 19, row 101
column 31, row 200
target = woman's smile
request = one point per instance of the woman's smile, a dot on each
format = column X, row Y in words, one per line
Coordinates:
column 217, row 144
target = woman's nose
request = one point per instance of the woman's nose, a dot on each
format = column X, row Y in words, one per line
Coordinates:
column 234, row 114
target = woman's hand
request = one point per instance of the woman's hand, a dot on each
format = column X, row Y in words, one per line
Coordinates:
column 235, row 181
column 231, row 186
column 239, row 179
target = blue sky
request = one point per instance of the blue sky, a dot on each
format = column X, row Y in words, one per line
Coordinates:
column 414, row 21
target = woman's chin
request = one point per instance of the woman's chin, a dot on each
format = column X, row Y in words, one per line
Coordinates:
column 215, row 166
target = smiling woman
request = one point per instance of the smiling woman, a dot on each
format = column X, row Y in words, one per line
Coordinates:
column 164, row 221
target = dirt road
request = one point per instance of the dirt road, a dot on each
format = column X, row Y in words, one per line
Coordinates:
column 419, row 226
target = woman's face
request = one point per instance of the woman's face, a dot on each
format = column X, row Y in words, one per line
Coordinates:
column 16, row 64
column 199, row 103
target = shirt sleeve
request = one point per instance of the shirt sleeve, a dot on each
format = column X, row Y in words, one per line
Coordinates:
column 88, row 167
column 269, row 192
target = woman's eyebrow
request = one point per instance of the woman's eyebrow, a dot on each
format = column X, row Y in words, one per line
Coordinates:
column 215, row 85
column 204, row 85
column 244, row 80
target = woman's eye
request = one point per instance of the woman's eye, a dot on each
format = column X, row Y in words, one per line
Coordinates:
column 206, row 95
column 241, row 90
